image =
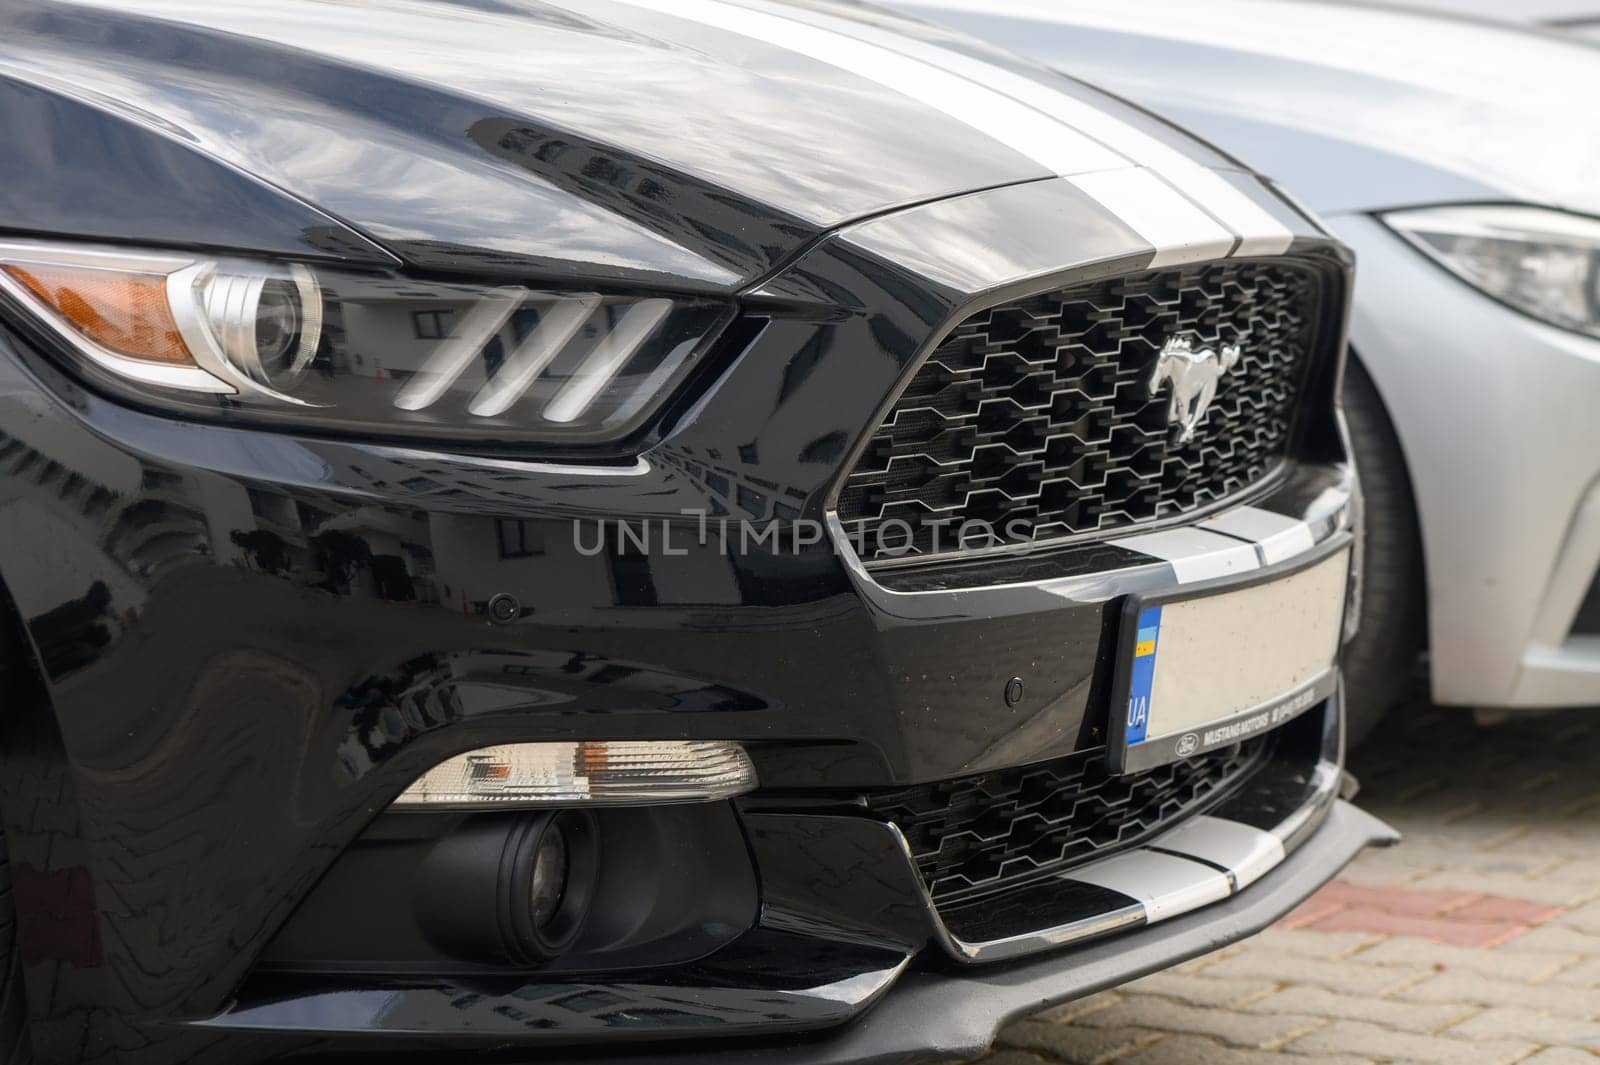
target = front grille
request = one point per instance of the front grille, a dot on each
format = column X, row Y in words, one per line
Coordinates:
column 1036, row 417
column 984, row 834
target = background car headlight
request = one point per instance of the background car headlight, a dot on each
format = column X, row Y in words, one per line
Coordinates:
column 1542, row 262
column 371, row 352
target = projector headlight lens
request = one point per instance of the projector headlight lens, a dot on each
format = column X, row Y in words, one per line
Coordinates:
column 376, row 353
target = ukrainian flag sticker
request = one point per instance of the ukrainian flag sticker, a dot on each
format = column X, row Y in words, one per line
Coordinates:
column 1144, row 673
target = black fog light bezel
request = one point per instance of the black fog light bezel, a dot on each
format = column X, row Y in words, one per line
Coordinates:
column 528, row 940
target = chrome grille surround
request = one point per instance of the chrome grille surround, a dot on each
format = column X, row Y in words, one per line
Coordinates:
column 1035, row 416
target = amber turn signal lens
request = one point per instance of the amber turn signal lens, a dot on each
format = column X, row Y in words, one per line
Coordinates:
column 126, row 313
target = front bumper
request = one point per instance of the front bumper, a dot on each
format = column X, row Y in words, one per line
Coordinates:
column 250, row 643
column 934, row 1016
column 939, row 1017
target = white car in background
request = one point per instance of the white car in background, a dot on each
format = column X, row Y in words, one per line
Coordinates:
column 1461, row 160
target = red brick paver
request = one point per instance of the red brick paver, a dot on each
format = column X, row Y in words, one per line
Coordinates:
column 1460, row 918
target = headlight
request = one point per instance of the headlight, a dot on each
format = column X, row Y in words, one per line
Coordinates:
column 1542, row 262
column 376, row 353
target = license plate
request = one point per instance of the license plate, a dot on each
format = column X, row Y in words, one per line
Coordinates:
column 1204, row 669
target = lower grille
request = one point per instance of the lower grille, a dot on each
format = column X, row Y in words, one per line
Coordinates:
column 984, row 834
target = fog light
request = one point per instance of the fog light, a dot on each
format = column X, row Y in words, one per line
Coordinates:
column 552, row 871
column 510, row 887
column 590, row 773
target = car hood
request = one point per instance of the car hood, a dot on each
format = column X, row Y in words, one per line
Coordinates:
column 1351, row 108
column 695, row 143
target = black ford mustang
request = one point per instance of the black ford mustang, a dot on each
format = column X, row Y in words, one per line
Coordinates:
column 680, row 529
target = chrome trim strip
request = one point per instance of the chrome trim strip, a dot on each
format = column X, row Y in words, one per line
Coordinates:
column 1180, row 555
column 1323, row 789
column 638, row 468
column 1103, row 924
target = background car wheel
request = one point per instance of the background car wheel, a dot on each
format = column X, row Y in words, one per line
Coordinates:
column 1380, row 663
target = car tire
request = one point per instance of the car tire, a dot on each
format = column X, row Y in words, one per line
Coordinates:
column 15, row 1046
column 1381, row 662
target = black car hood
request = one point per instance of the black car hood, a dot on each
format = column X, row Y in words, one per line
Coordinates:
column 637, row 142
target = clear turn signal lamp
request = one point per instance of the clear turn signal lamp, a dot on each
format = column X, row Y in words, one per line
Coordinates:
column 588, row 773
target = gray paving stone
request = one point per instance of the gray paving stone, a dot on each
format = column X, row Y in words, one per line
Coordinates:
column 1356, row 976
column 1585, row 918
column 1237, row 1029
column 1320, row 1002
column 1370, row 1040
column 1584, row 974
column 1474, row 989
column 1559, row 1056
column 1518, row 1022
column 1557, row 939
column 1536, row 889
column 1197, row 1050
column 1509, row 961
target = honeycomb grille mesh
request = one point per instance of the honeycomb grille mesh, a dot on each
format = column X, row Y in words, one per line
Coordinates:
column 983, row 834
column 1036, row 417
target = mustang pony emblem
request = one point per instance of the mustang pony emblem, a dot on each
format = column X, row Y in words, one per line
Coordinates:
column 1194, row 375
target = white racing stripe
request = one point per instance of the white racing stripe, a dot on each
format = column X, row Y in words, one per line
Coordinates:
column 1258, row 231
column 1178, row 228
column 1179, row 231
column 1017, row 126
column 1185, row 211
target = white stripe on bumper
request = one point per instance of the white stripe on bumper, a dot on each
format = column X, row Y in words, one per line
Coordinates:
column 1235, row 541
column 1246, row 853
column 1194, row 553
column 1165, row 885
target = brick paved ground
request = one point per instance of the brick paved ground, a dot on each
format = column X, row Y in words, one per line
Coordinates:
column 1476, row 940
